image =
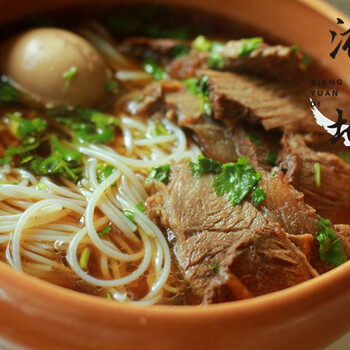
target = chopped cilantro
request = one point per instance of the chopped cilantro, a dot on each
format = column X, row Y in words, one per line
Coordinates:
column 160, row 173
column 271, row 158
column 69, row 75
column 307, row 60
column 109, row 296
column 140, row 207
column 201, row 43
column 41, row 186
column 8, row 94
column 317, row 167
column 253, row 138
column 199, row 87
column 345, row 156
column 331, row 247
column 103, row 171
column 258, row 195
column 63, row 161
column 84, row 258
column 90, row 126
column 151, row 67
column 178, row 51
column 214, row 267
column 22, row 127
column 205, row 165
column 235, row 180
column 105, row 230
column 159, row 130
column 294, row 49
column 248, row 46
column 112, row 87
column 129, row 214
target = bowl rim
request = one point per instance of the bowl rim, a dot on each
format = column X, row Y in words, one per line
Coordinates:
column 46, row 291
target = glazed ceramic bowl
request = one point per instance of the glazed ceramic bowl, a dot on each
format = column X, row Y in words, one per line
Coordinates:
column 37, row 315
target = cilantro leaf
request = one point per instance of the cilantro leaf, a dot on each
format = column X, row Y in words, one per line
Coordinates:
column 271, row 158
column 112, row 87
column 129, row 214
column 105, row 230
column 178, row 51
column 68, row 76
column 205, row 165
column 151, row 67
column 235, row 180
column 103, row 171
column 160, row 173
column 253, row 138
column 140, row 207
column 258, row 195
column 331, row 247
column 8, row 94
column 248, row 46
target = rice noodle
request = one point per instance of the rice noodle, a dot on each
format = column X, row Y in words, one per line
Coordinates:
column 42, row 222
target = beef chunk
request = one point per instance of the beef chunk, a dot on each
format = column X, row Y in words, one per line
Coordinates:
column 286, row 205
column 298, row 161
column 143, row 47
column 258, row 263
column 215, row 140
column 186, row 66
column 202, row 225
column 274, row 105
column 343, row 231
column 274, row 62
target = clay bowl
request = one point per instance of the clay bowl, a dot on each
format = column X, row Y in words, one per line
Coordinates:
column 37, row 315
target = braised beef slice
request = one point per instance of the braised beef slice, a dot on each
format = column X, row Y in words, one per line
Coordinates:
column 143, row 47
column 343, row 231
column 202, row 225
column 298, row 162
column 263, row 261
column 272, row 104
column 274, row 62
column 286, row 205
column 186, row 66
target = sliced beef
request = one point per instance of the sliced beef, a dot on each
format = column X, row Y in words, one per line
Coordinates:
column 258, row 263
column 202, row 225
column 187, row 66
column 274, row 62
column 272, row 104
column 286, row 205
column 142, row 48
column 215, row 140
column 152, row 97
column 298, row 162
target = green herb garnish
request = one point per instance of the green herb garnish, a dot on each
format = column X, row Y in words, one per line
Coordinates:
column 294, row 49
column 200, row 88
column 214, row 48
column 84, row 258
column 151, row 67
column 271, row 158
column 112, row 87
column 248, row 46
column 345, row 156
column 331, row 247
column 105, row 230
column 140, row 207
column 201, row 43
column 235, row 180
column 253, row 138
column 160, row 173
column 8, row 94
column 103, row 171
column 317, row 168
column 178, row 51
column 204, row 166
column 158, row 130
column 214, row 267
column 129, row 214
column 22, row 127
column 69, row 75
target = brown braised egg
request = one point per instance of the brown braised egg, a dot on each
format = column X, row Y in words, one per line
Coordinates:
column 55, row 67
